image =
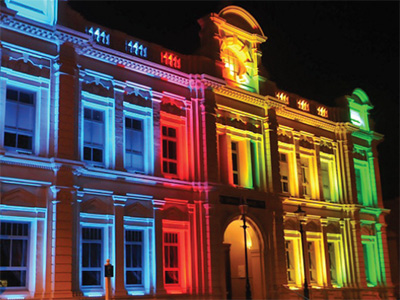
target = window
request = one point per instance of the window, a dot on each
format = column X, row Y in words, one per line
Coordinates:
column 305, row 176
column 284, row 170
column 171, row 258
column 14, row 247
column 169, row 150
column 333, row 263
column 235, row 163
column 290, row 262
column 134, row 257
column 326, row 181
column 315, row 256
column 92, row 262
column 312, row 264
column 94, row 136
column 134, row 144
column 294, row 258
column 19, row 119
column 371, row 260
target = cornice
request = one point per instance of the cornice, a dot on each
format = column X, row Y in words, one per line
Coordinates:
column 7, row 21
column 306, row 118
column 227, row 91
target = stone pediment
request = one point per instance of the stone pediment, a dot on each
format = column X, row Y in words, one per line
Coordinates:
column 19, row 197
column 137, row 209
column 174, row 213
column 95, row 206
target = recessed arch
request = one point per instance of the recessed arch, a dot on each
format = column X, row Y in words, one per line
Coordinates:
column 233, row 240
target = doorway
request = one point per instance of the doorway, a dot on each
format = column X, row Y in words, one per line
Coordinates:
column 235, row 270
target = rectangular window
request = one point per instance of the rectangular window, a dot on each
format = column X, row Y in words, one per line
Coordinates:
column 333, row 262
column 134, row 144
column 359, row 186
column 134, row 257
column 290, row 263
column 326, row 181
column 312, row 261
column 284, row 170
column 169, row 150
column 171, row 258
column 371, row 260
column 14, row 247
column 235, row 162
column 19, row 119
column 94, row 135
column 91, row 258
column 305, row 174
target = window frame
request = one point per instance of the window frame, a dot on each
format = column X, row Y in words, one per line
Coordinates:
column 146, row 225
column 107, row 106
column 319, row 258
column 369, row 243
column 179, row 123
column 294, row 237
column 145, row 115
column 37, row 245
column 142, row 258
column 40, row 87
column 25, row 269
column 335, row 239
column 19, row 131
column 95, row 269
column 184, row 256
column 106, row 223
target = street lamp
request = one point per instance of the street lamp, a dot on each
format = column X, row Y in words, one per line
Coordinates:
column 301, row 216
column 243, row 210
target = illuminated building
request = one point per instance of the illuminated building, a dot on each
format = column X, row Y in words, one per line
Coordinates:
column 115, row 148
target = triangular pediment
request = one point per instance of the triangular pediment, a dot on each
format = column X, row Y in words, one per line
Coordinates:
column 95, row 205
column 19, row 197
column 137, row 209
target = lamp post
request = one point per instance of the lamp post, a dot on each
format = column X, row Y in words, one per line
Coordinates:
column 243, row 210
column 301, row 216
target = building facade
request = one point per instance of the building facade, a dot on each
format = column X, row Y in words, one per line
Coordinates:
column 116, row 148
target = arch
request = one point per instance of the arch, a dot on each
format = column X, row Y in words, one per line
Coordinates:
column 233, row 240
column 362, row 96
column 241, row 18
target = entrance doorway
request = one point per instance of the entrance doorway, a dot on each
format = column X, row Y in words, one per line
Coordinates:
column 235, row 272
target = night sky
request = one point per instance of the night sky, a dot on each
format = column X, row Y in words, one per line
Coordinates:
column 319, row 50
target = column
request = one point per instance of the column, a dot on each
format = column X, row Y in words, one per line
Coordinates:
column 158, row 206
column 119, row 205
column 324, row 224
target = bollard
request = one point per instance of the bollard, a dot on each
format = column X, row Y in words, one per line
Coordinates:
column 108, row 273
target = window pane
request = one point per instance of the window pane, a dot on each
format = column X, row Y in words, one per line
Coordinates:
column 19, row 253
column 10, row 139
column 137, row 162
column 172, row 132
column 85, row 254
column 5, row 252
column 14, row 278
column 98, row 133
column 172, row 168
column 133, row 277
column 97, row 115
column 87, row 113
column 87, row 153
column 26, row 97
column 26, row 117
column 12, row 94
column 137, row 124
column 165, row 148
column 95, row 255
column 11, row 114
column 91, row 277
column 171, row 277
column 24, row 142
column 171, row 150
column 97, row 155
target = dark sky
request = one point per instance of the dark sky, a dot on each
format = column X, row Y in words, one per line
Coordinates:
column 319, row 50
